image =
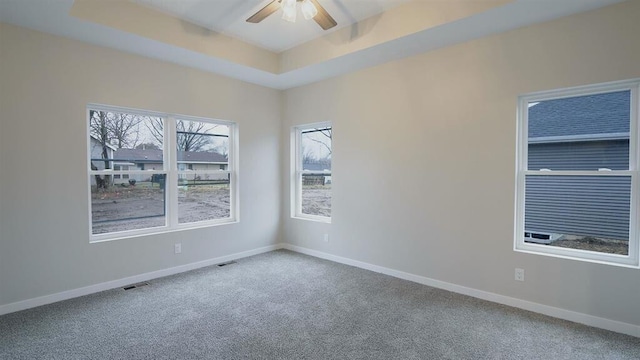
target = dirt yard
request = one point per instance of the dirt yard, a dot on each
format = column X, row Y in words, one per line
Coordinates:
column 142, row 206
column 316, row 200
column 198, row 203
column 593, row 244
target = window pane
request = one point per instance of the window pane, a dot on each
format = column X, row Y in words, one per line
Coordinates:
column 202, row 150
column 316, row 194
column 315, row 148
column 203, row 198
column 129, row 204
column 315, row 151
column 584, row 212
column 580, row 133
column 125, row 141
column 202, row 146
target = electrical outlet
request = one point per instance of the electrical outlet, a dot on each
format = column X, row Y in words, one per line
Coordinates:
column 177, row 248
column 325, row 238
column 519, row 274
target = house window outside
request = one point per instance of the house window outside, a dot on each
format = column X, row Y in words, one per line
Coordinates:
column 151, row 172
column 121, row 168
column 311, row 156
column 578, row 173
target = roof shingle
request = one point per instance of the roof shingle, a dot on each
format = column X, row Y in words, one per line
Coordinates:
column 155, row 156
column 582, row 115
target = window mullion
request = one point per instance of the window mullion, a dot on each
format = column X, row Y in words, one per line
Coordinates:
column 298, row 176
column 634, row 133
column 171, row 190
column 634, row 165
column 578, row 173
column 634, row 221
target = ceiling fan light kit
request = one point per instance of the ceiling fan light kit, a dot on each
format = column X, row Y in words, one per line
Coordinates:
column 311, row 9
column 289, row 10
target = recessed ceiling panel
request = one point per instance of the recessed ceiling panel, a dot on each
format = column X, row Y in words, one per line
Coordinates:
column 273, row 33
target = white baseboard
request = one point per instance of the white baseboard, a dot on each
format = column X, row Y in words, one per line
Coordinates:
column 590, row 320
column 69, row 294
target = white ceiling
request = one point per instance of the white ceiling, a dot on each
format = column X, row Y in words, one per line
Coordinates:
column 52, row 16
column 273, row 33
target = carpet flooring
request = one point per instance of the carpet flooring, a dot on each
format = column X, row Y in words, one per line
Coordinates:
column 284, row 305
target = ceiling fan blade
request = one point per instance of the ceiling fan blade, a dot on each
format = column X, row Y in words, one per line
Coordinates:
column 323, row 18
column 264, row 12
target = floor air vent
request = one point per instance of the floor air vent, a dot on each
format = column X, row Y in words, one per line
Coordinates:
column 227, row 263
column 129, row 287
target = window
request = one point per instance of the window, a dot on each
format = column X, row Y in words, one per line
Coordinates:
column 311, row 159
column 151, row 172
column 578, row 173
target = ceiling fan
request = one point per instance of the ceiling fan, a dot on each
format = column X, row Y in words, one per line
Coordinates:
column 311, row 9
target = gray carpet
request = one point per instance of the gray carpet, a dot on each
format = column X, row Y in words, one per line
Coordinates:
column 283, row 305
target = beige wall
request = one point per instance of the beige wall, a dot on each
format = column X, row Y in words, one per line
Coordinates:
column 46, row 83
column 424, row 160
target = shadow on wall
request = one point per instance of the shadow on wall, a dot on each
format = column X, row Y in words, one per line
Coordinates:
column 358, row 29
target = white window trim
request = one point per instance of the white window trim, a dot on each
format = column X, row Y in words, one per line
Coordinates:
column 170, row 168
column 632, row 260
column 296, row 172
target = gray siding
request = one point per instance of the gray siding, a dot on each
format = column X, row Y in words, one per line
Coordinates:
column 584, row 155
column 578, row 205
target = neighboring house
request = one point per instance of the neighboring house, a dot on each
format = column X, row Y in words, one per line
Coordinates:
column 316, row 165
column 189, row 161
column 580, row 133
column 96, row 154
column 97, row 162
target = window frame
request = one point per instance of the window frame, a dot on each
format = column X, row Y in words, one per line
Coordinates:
column 170, row 168
column 633, row 257
column 297, row 172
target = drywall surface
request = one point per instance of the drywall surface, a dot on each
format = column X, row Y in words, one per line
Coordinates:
column 144, row 21
column 406, row 19
column 46, row 84
column 424, row 160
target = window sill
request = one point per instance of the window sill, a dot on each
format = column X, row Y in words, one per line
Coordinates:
column 579, row 255
column 320, row 219
column 157, row 231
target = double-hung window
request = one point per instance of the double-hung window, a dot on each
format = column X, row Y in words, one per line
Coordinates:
column 578, row 173
column 311, row 162
column 152, row 172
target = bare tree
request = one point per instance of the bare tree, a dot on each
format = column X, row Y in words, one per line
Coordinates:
column 156, row 128
column 147, row 146
column 112, row 129
column 99, row 129
column 223, row 149
column 325, row 142
column 308, row 155
column 124, row 130
column 191, row 135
